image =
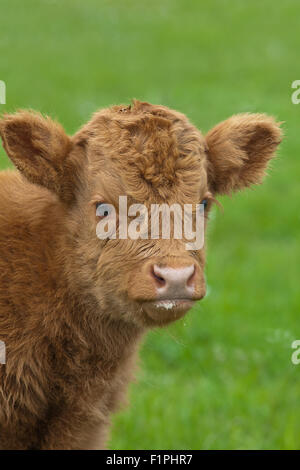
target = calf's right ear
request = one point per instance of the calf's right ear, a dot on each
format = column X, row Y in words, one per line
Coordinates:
column 40, row 149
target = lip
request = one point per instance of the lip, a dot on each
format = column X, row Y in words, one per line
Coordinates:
column 162, row 310
column 172, row 304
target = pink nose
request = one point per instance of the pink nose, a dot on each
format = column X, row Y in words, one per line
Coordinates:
column 174, row 283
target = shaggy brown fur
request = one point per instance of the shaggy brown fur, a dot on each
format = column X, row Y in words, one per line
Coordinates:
column 72, row 307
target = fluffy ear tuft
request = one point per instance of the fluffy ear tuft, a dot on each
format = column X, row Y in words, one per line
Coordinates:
column 239, row 150
column 38, row 147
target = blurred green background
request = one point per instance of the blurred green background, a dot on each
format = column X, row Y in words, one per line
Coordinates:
column 221, row 378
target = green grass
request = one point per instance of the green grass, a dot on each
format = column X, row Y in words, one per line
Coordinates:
column 221, row 378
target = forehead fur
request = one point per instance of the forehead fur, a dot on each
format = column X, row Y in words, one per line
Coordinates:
column 153, row 152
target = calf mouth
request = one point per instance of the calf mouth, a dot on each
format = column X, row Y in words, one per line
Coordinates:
column 164, row 311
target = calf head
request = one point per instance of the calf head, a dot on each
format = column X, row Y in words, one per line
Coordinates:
column 151, row 155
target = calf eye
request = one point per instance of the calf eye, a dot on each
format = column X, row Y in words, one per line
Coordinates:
column 204, row 202
column 103, row 209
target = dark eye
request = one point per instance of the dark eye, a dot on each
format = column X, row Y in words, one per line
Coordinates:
column 205, row 203
column 103, row 209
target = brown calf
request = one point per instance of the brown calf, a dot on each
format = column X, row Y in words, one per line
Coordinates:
column 73, row 307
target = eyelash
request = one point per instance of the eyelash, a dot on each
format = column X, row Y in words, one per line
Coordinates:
column 205, row 203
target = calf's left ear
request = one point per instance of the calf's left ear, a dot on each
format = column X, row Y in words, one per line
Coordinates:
column 239, row 150
column 39, row 148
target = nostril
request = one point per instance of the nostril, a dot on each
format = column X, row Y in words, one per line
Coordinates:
column 192, row 277
column 157, row 276
column 159, row 279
